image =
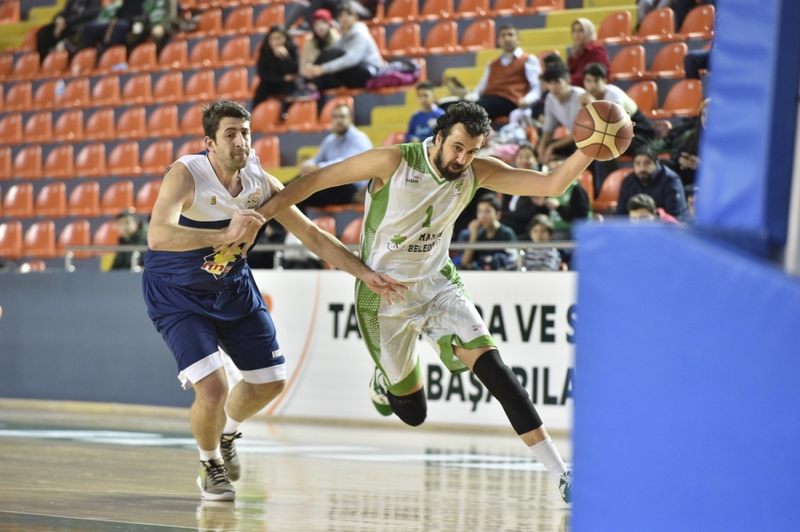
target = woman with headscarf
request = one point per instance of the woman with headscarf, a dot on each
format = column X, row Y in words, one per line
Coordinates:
column 585, row 50
column 324, row 35
column 276, row 67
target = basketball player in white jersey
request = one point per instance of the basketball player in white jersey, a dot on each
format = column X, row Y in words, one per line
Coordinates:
column 416, row 192
column 200, row 293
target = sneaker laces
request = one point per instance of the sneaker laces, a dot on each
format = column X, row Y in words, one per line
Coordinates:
column 216, row 472
column 226, row 443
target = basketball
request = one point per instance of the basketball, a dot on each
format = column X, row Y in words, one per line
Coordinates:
column 602, row 130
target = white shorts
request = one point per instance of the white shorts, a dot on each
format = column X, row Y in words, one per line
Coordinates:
column 437, row 307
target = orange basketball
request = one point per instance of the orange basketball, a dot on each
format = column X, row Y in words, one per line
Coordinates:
column 602, row 130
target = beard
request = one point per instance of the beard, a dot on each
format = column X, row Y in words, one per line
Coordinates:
column 450, row 172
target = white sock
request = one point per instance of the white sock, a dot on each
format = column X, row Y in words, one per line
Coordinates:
column 231, row 425
column 205, row 456
column 548, row 455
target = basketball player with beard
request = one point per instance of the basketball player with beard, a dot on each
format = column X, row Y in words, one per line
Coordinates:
column 416, row 192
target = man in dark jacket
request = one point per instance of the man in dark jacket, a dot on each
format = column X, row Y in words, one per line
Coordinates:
column 651, row 177
column 66, row 25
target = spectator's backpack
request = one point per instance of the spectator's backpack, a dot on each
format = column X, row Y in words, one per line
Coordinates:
column 396, row 73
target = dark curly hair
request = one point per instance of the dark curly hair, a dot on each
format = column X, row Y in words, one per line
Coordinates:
column 219, row 110
column 469, row 114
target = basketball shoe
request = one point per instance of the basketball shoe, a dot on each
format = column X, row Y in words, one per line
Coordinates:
column 228, row 449
column 378, row 388
column 565, row 486
column 214, row 483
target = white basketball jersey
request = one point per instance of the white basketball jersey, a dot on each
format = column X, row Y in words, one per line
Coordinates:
column 409, row 222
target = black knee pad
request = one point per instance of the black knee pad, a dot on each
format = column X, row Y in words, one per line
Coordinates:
column 504, row 386
column 412, row 408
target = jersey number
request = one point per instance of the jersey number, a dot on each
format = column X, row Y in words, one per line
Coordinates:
column 428, row 214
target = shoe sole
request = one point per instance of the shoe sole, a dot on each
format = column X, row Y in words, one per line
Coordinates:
column 207, row 496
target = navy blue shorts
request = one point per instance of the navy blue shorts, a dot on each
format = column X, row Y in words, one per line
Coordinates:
column 194, row 326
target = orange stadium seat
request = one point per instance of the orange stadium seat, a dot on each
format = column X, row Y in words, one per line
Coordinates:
column 106, row 91
column 146, row 196
column 586, row 180
column 169, row 88
column 205, row 53
column 210, row 23
column 84, row 200
column 9, row 12
column 325, row 116
column 699, row 23
column 480, row 35
column 615, row 28
column 55, row 64
column 190, row 147
column 271, row 15
column 91, row 161
column 192, row 121
column 200, row 87
column 51, row 202
column 379, row 35
column 658, row 25
column 436, row 10
column 19, row 97
column 233, row 84
column 69, row 126
column 100, row 125
column 157, row 157
column 398, row 137
column 683, row 99
column 2, row 97
column 473, row 8
column 405, row 40
column 628, row 63
column 40, row 240
column 77, row 233
column 138, row 89
column 59, row 162
column 401, row 11
column 268, row 150
column 441, row 38
column 163, row 122
column 83, row 62
column 546, row 5
column 6, row 64
column 124, row 160
column 111, row 58
column 18, row 201
column 302, row 116
column 645, row 94
column 44, row 97
column 106, row 234
column 266, row 116
column 174, row 55
column 26, row 66
column 504, row 8
column 143, row 58
column 11, row 240
column 132, row 124
column 352, row 231
column 117, row 198
column 28, row 162
column 11, row 129
column 236, row 51
column 609, row 192
column 5, row 163
column 240, row 20
column 668, row 62
column 39, row 127
column 76, row 93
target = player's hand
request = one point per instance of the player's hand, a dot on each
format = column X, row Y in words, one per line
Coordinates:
column 244, row 223
column 385, row 286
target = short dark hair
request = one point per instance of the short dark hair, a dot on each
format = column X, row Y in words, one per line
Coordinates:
column 541, row 219
column 215, row 112
column 555, row 72
column 552, row 59
column 425, row 86
column 492, row 200
column 642, row 201
column 648, row 152
column 597, row 70
column 469, row 114
column 507, row 27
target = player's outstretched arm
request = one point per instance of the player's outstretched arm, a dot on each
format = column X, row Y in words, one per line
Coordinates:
column 500, row 177
column 375, row 164
column 330, row 249
column 176, row 193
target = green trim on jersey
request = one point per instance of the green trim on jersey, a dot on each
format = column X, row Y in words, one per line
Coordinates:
column 367, row 305
column 414, row 155
column 407, row 384
column 377, row 210
column 448, row 354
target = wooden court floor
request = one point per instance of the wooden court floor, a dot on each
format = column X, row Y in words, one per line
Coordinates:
column 71, row 469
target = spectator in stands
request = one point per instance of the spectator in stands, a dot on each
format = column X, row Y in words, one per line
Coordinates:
column 646, row 6
column 155, row 24
column 695, row 61
column 572, row 206
column 344, row 141
column 352, row 61
column 486, row 227
column 651, row 177
column 560, row 108
column 512, row 80
column 112, row 25
column 324, row 36
column 642, row 208
column 277, row 67
column 131, row 232
column 682, row 8
column 685, row 152
column 66, row 27
column 594, row 81
column 541, row 259
column 585, row 50
column 423, row 121
column 518, row 211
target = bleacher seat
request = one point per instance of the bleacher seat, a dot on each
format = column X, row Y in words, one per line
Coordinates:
column 615, row 28
column 240, row 20
column 480, row 35
column 132, row 123
column 586, row 181
column 11, row 129
column 609, row 192
column 271, row 15
column 11, row 240
column 442, row 38
column 266, row 116
column 436, row 10
column 233, row 84
column 55, row 64
column 76, row 93
column 405, row 40
column 209, row 23
column 192, row 121
column 116, row 198
column 268, row 150
column 5, row 163
column 174, row 55
column 400, row 11
column 138, row 90
column 468, row 9
column 91, row 160
column 84, row 200
column 6, row 64
column 106, row 91
column 379, row 35
column 28, row 162
column 200, row 87
column 143, row 58
column 106, row 234
column 44, row 97
column 236, row 51
column 699, row 23
column 112, row 59
column 169, row 88
column 157, row 157
column 146, row 196
column 657, row 26
column 302, row 116
column 352, row 231
column 39, row 127
column 19, row 97
column 683, row 99
column 668, row 62
column 83, row 62
column 59, row 163
column 645, row 94
column 26, row 66
column 628, row 63
column 190, row 147
column 51, row 202
column 40, row 240
column 68, row 126
column 163, row 122
column 75, row 233
column 18, row 201
column 205, row 53
column 123, row 160
column 100, row 125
